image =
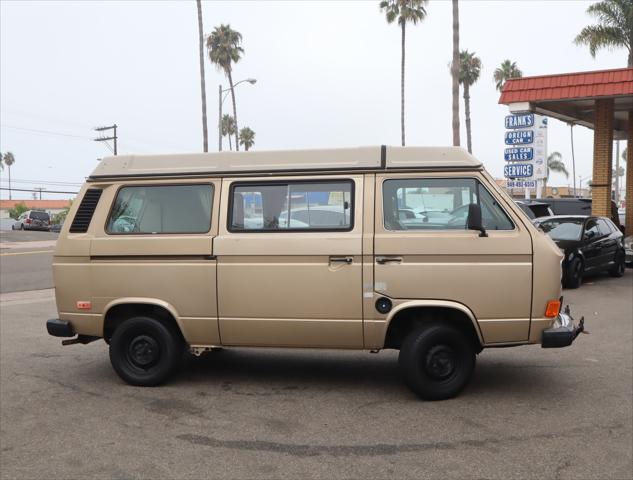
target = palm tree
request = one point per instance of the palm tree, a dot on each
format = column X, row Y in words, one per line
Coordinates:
column 9, row 159
column 228, row 128
column 455, row 68
column 469, row 71
column 506, row 71
column 404, row 11
column 247, row 138
column 203, row 92
column 614, row 28
column 225, row 50
column 555, row 164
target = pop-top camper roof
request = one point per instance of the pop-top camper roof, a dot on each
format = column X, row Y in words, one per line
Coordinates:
column 282, row 161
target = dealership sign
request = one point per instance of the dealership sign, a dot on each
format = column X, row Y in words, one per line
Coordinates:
column 518, row 170
column 519, row 137
column 523, row 120
column 516, row 154
column 526, row 151
column 521, row 184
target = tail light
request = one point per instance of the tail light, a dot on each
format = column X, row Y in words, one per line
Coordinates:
column 28, row 220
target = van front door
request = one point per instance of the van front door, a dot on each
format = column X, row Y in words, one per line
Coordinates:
column 290, row 262
column 430, row 255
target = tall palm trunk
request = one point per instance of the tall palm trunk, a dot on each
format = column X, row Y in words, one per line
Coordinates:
column 455, row 74
column 205, row 135
column 230, row 144
column 9, row 167
column 402, row 85
column 631, row 58
column 237, row 144
column 467, row 115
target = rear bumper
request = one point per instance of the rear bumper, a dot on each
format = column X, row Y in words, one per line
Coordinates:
column 59, row 328
column 563, row 332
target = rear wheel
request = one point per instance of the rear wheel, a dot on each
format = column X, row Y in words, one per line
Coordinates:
column 21, row 226
column 144, row 351
column 573, row 275
column 437, row 361
column 619, row 266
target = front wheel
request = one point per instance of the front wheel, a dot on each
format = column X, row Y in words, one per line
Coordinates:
column 619, row 265
column 573, row 275
column 437, row 361
column 144, row 351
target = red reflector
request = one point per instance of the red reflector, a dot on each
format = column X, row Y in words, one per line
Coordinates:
column 84, row 305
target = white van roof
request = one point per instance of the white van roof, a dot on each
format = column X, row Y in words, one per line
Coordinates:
column 340, row 159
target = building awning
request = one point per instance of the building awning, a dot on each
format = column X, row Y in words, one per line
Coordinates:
column 571, row 97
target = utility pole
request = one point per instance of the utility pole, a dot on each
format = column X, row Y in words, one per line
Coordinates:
column 39, row 189
column 105, row 139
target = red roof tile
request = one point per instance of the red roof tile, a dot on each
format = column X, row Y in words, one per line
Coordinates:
column 600, row 83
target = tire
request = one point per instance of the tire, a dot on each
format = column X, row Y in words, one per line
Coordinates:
column 21, row 226
column 573, row 274
column 437, row 361
column 145, row 352
column 618, row 268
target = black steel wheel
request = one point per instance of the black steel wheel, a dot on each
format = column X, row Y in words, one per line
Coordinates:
column 437, row 361
column 573, row 275
column 145, row 351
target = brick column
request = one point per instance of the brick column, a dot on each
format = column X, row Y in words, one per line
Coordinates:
column 602, row 156
column 628, row 221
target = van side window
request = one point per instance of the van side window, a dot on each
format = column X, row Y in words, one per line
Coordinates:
column 439, row 204
column 292, row 206
column 161, row 209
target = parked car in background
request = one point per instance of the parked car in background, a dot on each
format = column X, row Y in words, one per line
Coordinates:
column 590, row 244
column 628, row 250
column 535, row 209
column 580, row 206
column 33, row 220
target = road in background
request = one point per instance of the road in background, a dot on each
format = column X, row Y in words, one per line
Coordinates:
column 25, row 260
column 529, row 413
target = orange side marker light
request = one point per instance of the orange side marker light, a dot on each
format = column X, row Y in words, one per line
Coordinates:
column 552, row 309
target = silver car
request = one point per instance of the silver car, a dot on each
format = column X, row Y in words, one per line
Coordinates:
column 33, row 220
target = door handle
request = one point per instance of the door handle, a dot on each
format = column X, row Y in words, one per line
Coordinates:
column 383, row 260
column 347, row 260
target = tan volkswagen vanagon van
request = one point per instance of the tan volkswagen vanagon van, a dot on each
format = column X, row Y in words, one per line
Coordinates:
column 415, row 249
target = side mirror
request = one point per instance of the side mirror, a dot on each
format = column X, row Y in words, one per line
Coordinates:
column 474, row 221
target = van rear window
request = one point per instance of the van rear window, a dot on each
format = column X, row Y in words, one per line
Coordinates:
column 161, row 209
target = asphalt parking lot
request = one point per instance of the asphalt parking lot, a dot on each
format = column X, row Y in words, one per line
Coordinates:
column 528, row 413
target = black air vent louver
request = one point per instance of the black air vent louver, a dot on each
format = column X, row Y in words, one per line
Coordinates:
column 85, row 211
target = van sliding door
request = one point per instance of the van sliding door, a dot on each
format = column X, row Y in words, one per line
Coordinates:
column 289, row 256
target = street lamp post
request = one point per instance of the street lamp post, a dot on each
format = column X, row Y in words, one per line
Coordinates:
column 221, row 99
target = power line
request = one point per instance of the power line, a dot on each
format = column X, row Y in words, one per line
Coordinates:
column 46, row 182
column 44, row 132
column 35, row 191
